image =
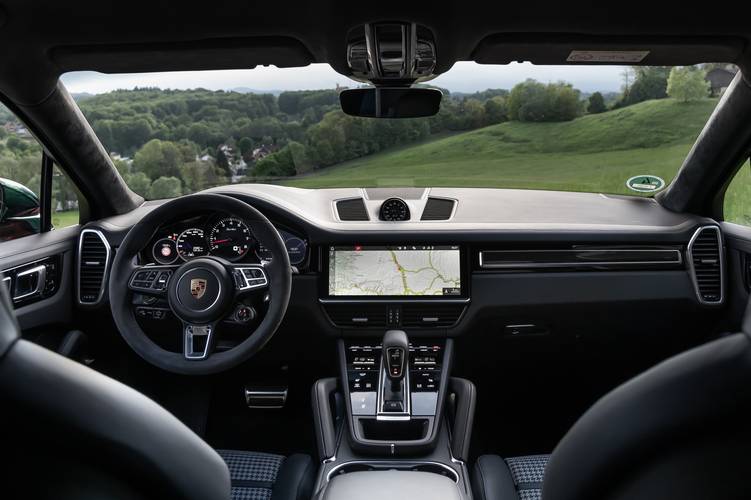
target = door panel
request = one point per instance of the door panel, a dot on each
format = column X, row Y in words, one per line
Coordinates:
column 52, row 303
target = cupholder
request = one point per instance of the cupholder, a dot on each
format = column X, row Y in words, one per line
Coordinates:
column 430, row 467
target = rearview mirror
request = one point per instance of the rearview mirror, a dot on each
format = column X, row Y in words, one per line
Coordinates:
column 391, row 102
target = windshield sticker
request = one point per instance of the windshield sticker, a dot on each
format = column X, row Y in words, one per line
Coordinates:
column 645, row 183
column 607, row 56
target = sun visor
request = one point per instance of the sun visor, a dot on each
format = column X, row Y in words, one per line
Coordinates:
column 571, row 49
column 225, row 53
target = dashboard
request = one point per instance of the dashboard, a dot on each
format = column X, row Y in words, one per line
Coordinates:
column 220, row 235
column 506, row 262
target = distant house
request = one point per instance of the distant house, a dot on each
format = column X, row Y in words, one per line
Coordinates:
column 260, row 152
column 719, row 78
column 16, row 128
column 117, row 156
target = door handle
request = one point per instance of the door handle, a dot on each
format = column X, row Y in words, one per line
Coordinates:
column 30, row 283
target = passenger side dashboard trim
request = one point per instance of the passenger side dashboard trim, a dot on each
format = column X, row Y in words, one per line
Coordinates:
column 602, row 258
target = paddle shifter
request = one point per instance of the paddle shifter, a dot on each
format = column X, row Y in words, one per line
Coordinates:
column 395, row 365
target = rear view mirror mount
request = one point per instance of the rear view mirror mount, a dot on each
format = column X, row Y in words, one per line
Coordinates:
column 391, row 102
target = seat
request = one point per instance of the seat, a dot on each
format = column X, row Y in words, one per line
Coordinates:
column 679, row 430
column 512, row 478
column 71, row 432
column 263, row 476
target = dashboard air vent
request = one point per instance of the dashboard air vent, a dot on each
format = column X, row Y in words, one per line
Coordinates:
column 706, row 264
column 431, row 315
column 438, row 209
column 358, row 315
column 352, row 210
column 93, row 259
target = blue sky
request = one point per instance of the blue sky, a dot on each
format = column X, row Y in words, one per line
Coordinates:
column 463, row 77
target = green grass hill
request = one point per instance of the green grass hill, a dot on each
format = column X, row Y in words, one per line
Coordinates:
column 591, row 153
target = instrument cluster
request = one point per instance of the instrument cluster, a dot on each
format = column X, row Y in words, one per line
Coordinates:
column 218, row 235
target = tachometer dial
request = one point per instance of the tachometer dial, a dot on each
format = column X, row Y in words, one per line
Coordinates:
column 191, row 243
column 230, row 239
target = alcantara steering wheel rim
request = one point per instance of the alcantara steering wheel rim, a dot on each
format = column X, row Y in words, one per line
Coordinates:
column 277, row 271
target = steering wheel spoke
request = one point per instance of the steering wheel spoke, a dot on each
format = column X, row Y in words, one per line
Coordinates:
column 151, row 280
column 198, row 341
column 249, row 278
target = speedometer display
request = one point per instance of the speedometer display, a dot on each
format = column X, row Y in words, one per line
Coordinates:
column 230, row 239
column 191, row 243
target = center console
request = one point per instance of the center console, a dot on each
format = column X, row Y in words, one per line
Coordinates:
column 394, row 392
column 395, row 423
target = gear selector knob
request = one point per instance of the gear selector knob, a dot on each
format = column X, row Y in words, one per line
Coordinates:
column 395, row 354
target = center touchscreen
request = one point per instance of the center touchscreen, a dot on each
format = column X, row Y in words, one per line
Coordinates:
column 416, row 270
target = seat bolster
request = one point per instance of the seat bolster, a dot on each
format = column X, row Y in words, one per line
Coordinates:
column 491, row 479
column 295, row 479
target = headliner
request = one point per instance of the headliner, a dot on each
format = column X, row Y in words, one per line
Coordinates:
column 39, row 40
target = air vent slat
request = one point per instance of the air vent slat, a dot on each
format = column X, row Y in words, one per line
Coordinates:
column 438, row 209
column 706, row 264
column 352, row 210
column 431, row 315
column 358, row 315
column 93, row 256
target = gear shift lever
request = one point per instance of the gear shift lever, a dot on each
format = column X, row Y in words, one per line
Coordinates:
column 395, row 360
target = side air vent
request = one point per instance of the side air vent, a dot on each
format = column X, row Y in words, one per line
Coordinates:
column 93, row 259
column 352, row 210
column 438, row 209
column 706, row 264
column 358, row 315
column 431, row 315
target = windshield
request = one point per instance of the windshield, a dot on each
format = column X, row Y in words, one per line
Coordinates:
column 605, row 129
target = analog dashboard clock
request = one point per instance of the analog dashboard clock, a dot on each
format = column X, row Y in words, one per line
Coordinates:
column 394, row 209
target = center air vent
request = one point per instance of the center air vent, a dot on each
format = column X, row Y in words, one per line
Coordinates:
column 431, row 315
column 93, row 259
column 438, row 209
column 352, row 210
column 706, row 264
column 358, row 315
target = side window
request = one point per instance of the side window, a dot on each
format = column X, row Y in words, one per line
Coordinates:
column 20, row 178
column 65, row 200
column 737, row 202
column 21, row 173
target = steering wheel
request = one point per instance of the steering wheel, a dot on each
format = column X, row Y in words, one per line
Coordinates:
column 201, row 292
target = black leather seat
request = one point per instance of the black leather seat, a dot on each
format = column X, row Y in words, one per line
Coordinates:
column 70, row 432
column 679, row 430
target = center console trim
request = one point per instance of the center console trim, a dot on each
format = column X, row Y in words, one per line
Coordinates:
column 396, row 464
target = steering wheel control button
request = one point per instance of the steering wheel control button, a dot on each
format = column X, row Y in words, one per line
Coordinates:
column 150, row 280
column 247, row 278
column 151, row 313
column 244, row 314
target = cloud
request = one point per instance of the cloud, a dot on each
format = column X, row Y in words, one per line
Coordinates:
column 463, row 77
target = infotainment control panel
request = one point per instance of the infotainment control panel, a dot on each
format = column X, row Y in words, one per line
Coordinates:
column 395, row 271
column 425, row 362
